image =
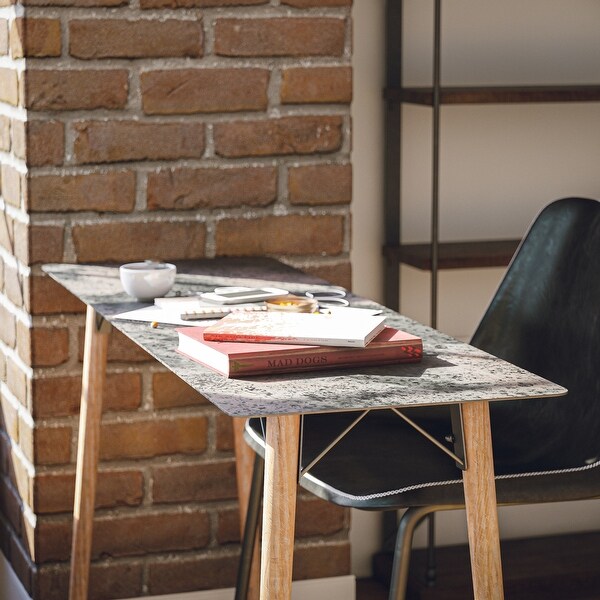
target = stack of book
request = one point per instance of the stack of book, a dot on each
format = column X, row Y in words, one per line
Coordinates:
column 243, row 344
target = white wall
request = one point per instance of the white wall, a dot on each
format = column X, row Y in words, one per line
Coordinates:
column 499, row 166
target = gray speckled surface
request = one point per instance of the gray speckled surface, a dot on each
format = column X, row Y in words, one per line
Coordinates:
column 450, row 372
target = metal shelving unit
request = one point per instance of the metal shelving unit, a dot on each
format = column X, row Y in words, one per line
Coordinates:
column 435, row 255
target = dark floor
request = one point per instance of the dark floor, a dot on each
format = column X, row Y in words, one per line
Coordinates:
column 563, row 567
column 370, row 589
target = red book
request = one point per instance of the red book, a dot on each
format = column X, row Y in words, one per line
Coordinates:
column 238, row 359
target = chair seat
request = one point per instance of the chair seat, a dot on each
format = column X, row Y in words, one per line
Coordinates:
column 412, row 472
column 544, row 318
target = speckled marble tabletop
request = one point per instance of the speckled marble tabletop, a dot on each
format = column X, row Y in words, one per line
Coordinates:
column 450, row 372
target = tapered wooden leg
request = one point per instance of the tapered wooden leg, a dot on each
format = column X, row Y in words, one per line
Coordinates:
column 244, row 457
column 279, row 507
column 94, row 371
column 480, row 503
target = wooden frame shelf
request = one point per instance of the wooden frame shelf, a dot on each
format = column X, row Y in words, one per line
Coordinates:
column 496, row 94
column 455, row 255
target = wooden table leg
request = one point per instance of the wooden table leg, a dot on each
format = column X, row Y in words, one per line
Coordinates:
column 279, row 506
column 244, row 458
column 480, row 503
column 94, row 371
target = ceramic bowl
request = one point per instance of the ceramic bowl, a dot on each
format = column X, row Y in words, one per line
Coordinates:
column 147, row 280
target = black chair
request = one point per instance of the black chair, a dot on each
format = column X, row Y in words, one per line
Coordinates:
column 545, row 317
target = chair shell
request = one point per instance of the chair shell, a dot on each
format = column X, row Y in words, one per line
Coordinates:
column 545, row 318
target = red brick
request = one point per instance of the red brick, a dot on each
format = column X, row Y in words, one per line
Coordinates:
column 338, row 273
column 52, row 540
column 109, row 192
column 287, row 135
column 122, row 242
column 50, row 298
column 120, row 348
column 198, row 3
column 194, row 483
column 144, row 533
column 228, row 526
column 45, row 143
column 186, row 188
column 76, row 89
column 76, row 3
column 35, row 38
column 169, row 391
column 316, row 85
column 329, row 559
column 320, row 184
column 224, row 434
column 13, row 184
column 188, row 91
column 60, row 396
column 9, row 86
column 51, row 445
column 119, row 38
column 98, row 141
column 39, row 243
column 4, row 133
column 316, row 517
column 54, row 492
column 109, row 580
column 280, row 37
column 158, row 437
column 123, row 391
column 127, row 535
column 292, row 234
column 3, row 37
column 170, row 576
column 316, row 3
column 49, row 346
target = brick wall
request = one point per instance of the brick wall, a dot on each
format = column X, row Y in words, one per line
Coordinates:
column 155, row 129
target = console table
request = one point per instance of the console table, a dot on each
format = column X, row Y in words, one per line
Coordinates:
column 451, row 372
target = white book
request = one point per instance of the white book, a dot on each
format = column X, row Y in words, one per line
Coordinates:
column 339, row 329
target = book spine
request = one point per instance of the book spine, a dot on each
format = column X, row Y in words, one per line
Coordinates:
column 311, row 361
column 242, row 337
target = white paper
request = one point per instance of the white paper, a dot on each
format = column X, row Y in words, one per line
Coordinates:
column 150, row 314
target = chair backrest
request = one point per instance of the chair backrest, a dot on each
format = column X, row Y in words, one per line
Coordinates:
column 545, row 317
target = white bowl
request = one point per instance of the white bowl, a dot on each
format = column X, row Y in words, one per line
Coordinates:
column 147, row 280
